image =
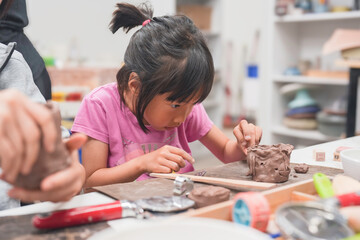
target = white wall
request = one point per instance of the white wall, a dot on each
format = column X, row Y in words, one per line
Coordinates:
column 241, row 20
column 56, row 25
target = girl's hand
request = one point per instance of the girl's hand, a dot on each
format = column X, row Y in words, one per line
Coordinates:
column 62, row 185
column 22, row 122
column 247, row 135
column 165, row 160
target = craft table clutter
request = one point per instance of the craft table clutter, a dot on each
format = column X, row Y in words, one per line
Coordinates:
column 300, row 187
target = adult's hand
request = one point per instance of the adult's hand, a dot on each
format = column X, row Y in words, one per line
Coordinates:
column 22, row 124
column 62, row 185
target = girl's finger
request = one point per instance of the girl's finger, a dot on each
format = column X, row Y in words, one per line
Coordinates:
column 258, row 131
column 163, row 169
column 252, row 132
column 239, row 136
column 175, row 158
column 170, row 164
column 182, row 153
column 244, row 128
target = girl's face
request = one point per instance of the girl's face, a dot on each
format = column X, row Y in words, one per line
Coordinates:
column 163, row 115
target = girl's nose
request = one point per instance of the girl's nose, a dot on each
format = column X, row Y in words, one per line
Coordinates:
column 180, row 117
column 179, row 120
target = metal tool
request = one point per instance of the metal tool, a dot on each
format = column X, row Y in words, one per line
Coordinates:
column 317, row 220
column 142, row 209
column 182, row 186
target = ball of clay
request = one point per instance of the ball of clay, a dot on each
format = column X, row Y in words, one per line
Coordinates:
column 301, row 168
column 205, row 196
column 269, row 163
column 47, row 163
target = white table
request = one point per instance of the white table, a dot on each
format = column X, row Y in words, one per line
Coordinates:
column 305, row 155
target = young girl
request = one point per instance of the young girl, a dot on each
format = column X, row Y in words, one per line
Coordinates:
column 144, row 123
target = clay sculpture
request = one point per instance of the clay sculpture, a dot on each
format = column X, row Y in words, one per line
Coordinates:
column 47, row 163
column 205, row 196
column 269, row 163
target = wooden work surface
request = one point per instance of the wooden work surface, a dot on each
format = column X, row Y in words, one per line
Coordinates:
column 20, row 227
column 163, row 187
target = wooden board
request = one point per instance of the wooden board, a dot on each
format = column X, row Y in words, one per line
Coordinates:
column 163, row 187
column 275, row 198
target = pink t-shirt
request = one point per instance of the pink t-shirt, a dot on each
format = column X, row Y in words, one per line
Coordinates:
column 103, row 118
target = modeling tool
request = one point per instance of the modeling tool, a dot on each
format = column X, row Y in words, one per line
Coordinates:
column 182, row 186
column 323, row 185
column 228, row 183
column 119, row 209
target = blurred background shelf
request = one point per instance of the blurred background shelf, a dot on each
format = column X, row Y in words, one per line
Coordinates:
column 294, row 40
column 313, row 17
column 310, row 80
column 303, row 134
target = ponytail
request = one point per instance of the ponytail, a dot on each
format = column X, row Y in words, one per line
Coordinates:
column 128, row 16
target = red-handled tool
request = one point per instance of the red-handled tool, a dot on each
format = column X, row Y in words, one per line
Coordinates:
column 349, row 199
column 89, row 214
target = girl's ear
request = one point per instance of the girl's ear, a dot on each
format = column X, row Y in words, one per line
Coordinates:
column 134, row 83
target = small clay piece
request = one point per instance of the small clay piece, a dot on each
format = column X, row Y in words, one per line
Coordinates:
column 301, row 168
column 269, row 163
column 47, row 163
column 205, row 196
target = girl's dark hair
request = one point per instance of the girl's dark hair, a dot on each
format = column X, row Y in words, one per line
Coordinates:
column 169, row 54
column 4, row 7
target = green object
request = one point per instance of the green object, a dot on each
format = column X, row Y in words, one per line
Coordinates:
column 49, row 61
column 323, row 185
column 355, row 237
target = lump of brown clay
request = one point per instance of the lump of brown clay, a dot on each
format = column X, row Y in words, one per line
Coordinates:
column 47, row 163
column 301, row 168
column 205, row 196
column 269, row 163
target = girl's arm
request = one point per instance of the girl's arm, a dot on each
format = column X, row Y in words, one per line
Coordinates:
column 230, row 150
column 94, row 158
column 95, row 155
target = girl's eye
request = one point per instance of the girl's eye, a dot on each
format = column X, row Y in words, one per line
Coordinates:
column 175, row 105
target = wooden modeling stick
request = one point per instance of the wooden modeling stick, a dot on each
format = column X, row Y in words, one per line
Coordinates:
column 229, row 183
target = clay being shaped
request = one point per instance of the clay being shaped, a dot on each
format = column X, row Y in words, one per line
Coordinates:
column 301, row 168
column 47, row 163
column 205, row 196
column 269, row 163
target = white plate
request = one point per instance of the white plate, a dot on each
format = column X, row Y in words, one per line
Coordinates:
column 179, row 229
